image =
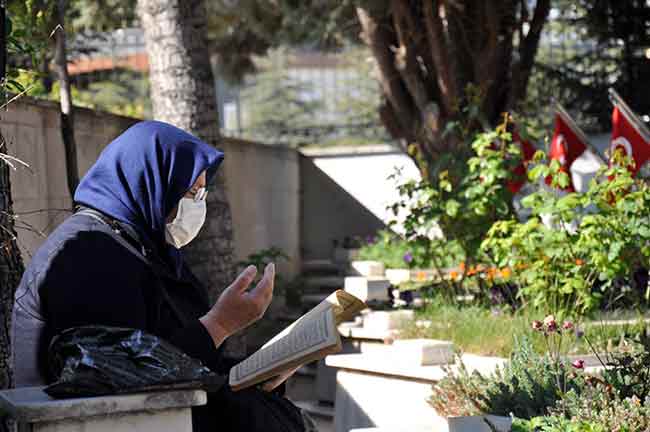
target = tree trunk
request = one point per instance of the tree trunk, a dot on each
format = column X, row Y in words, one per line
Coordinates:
column 11, row 270
column 183, row 93
column 67, row 111
column 442, row 63
column 11, row 264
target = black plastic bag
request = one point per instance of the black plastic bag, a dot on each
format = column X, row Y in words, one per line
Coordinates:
column 94, row 361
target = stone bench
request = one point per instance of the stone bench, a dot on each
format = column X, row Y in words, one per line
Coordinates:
column 165, row 411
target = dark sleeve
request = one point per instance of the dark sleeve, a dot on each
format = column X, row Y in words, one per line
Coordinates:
column 195, row 341
column 95, row 280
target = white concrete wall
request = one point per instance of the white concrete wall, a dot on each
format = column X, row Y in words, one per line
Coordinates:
column 346, row 192
column 263, row 181
column 264, row 195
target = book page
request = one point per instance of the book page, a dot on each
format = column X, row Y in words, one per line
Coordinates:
column 299, row 341
column 343, row 304
column 310, row 337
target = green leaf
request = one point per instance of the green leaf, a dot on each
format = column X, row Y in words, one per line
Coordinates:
column 16, row 85
column 452, row 207
column 537, row 172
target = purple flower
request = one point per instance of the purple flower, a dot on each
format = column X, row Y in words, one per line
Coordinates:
column 408, row 257
column 371, row 239
column 568, row 325
column 537, row 325
column 496, row 297
column 579, row 332
column 578, row 364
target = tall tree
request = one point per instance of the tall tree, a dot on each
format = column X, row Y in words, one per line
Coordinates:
column 597, row 44
column 440, row 63
column 183, row 93
column 11, row 265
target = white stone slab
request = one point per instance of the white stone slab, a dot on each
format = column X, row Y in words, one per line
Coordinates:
column 398, row 276
column 423, row 352
column 31, row 404
column 387, row 320
column 168, row 411
column 170, row 420
column 376, row 392
column 364, row 401
column 387, row 366
column 368, row 268
column 367, row 289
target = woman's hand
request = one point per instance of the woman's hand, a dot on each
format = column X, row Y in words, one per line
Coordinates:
column 237, row 308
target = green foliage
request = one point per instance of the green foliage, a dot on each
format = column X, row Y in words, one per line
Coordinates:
column 262, row 257
column 21, row 43
column 618, row 400
column 590, row 242
column 595, row 45
column 277, row 111
column 592, row 412
column 126, row 94
column 526, row 387
column 493, row 332
column 387, row 248
column 396, row 252
column 460, row 206
column 628, row 371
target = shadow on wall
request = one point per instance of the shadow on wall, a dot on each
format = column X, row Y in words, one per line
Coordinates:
column 329, row 213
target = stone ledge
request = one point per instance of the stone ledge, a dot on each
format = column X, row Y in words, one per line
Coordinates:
column 388, row 366
column 32, row 405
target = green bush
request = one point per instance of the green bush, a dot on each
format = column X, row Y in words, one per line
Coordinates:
column 617, row 400
column 593, row 412
column 387, row 248
column 526, row 387
column 450, row 214
column 596, row 240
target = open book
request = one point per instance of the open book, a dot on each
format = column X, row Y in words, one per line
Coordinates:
column 311, row 337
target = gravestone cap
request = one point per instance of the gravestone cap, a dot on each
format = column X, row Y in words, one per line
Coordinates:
column 33, row 405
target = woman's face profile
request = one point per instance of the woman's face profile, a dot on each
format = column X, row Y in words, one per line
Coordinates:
column 198, row 184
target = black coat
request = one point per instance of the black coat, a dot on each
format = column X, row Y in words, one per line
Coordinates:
column 94, row 271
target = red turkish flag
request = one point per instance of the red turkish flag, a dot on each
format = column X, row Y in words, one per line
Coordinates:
column 626, row 136
column 566, row 147
column 519, row 172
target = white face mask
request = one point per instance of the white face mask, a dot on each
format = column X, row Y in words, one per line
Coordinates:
column 188, row 221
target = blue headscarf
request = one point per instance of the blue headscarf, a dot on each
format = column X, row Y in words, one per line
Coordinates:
column 142, row 175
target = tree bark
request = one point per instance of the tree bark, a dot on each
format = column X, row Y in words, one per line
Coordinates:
column 183, row 93
column 67, row 110
column 11, row 264
column 443, row 63
column 11, row 270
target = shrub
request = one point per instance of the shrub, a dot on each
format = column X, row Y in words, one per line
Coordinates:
column 526, row 387
column 594, row 241
column 456, row 208
column 592, row 413
column 618, row 400
column 389, row 249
